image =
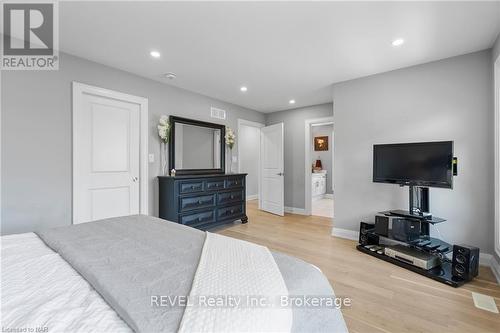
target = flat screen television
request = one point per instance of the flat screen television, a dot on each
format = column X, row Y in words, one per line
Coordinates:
column 419, row 164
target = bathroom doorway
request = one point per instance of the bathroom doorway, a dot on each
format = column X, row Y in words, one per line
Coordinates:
column 319, row 167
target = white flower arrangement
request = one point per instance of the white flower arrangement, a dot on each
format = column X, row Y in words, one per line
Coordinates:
column 230, row 138
column 164, row 129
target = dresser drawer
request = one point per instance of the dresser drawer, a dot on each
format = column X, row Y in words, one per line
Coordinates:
column 190, row 186
column 228, row 197
column 214, row 185
column 202, row 201
column 198, row 202
column 198, row 218
column 229, row 212
column 234, row 182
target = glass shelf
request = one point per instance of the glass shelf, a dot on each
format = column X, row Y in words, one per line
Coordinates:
column 442, row 273
column 423, row 238
column 423, row 218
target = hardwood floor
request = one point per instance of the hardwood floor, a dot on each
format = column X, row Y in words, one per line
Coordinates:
column 385, row 298
column 322, row 207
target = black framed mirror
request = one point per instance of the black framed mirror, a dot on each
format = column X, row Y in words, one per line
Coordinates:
column 196, row 147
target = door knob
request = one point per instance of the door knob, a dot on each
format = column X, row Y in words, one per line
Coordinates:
column 134, row 179
column 280, row 174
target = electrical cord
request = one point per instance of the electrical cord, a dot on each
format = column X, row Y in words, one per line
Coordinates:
column 439, row 233
column 442, row 256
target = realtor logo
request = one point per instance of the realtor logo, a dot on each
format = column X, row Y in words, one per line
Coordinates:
column 30, row 36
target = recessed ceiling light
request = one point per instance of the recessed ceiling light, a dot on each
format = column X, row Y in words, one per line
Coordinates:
column 155, row 54
column 398, row 42
column 243, row 88
column 292, row 101
column 170, row 75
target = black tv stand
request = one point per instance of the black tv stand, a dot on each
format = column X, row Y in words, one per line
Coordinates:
column 407, row 213
column 442, row 273
column 418, row 200
column 425, row 217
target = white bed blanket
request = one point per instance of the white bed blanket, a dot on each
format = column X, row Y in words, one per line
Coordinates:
column 40, row 291
column 231, row 268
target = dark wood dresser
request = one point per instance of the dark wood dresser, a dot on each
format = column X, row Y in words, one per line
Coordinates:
column 203, row 201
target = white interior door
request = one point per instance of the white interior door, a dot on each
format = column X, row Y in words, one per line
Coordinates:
column 272, row 176
column 106, row 143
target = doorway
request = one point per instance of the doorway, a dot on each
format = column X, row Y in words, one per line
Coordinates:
column 110, row 140
column 319, row 167
column 249, row 156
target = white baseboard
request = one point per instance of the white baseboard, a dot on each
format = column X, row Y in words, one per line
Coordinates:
column 322, row 196
column 345, row 233
column 252, row 197
column 485, row 259
column 294, row 210
column 489, row 260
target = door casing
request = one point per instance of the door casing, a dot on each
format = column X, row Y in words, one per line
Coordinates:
column 244, row 122
column 307, row 139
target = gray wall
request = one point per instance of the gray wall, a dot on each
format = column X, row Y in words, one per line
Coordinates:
column 249, row 139
column 294, row 121
column 36, row 135
column 449, row 99
column 324, row 156
column 495, row 55
column 496, row 49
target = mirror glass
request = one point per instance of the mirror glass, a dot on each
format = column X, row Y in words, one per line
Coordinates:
column 197, row 147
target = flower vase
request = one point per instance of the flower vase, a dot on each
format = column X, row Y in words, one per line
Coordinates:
column 163, row 159
column 230, row 160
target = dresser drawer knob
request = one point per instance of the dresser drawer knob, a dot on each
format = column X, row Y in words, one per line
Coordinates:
column 232, row 196
column 199, row 202
column 232, row 211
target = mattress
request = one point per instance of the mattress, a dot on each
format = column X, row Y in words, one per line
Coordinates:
column 40, row 289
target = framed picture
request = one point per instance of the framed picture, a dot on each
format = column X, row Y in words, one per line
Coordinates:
column 321, row 143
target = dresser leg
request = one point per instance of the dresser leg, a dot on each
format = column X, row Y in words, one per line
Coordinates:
column 244, row 219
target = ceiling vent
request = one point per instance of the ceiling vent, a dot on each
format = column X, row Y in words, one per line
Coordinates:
column 217, row 113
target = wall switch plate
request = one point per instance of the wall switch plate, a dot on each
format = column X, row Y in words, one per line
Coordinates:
column 151, row 158
column 455, row 166
column 235, row 159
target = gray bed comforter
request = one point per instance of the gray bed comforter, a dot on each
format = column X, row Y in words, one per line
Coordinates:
column 129, row 259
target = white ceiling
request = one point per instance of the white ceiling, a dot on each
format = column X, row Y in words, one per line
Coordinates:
column 278, row 50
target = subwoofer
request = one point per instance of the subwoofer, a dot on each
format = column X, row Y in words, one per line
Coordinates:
column 406, row 230
column 366, row 235
column 465, row 264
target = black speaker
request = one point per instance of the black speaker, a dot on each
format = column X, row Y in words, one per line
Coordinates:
column 465, row 264
column 366, row 235
column 382, row 225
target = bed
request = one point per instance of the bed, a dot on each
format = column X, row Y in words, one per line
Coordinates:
column 108, row 275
